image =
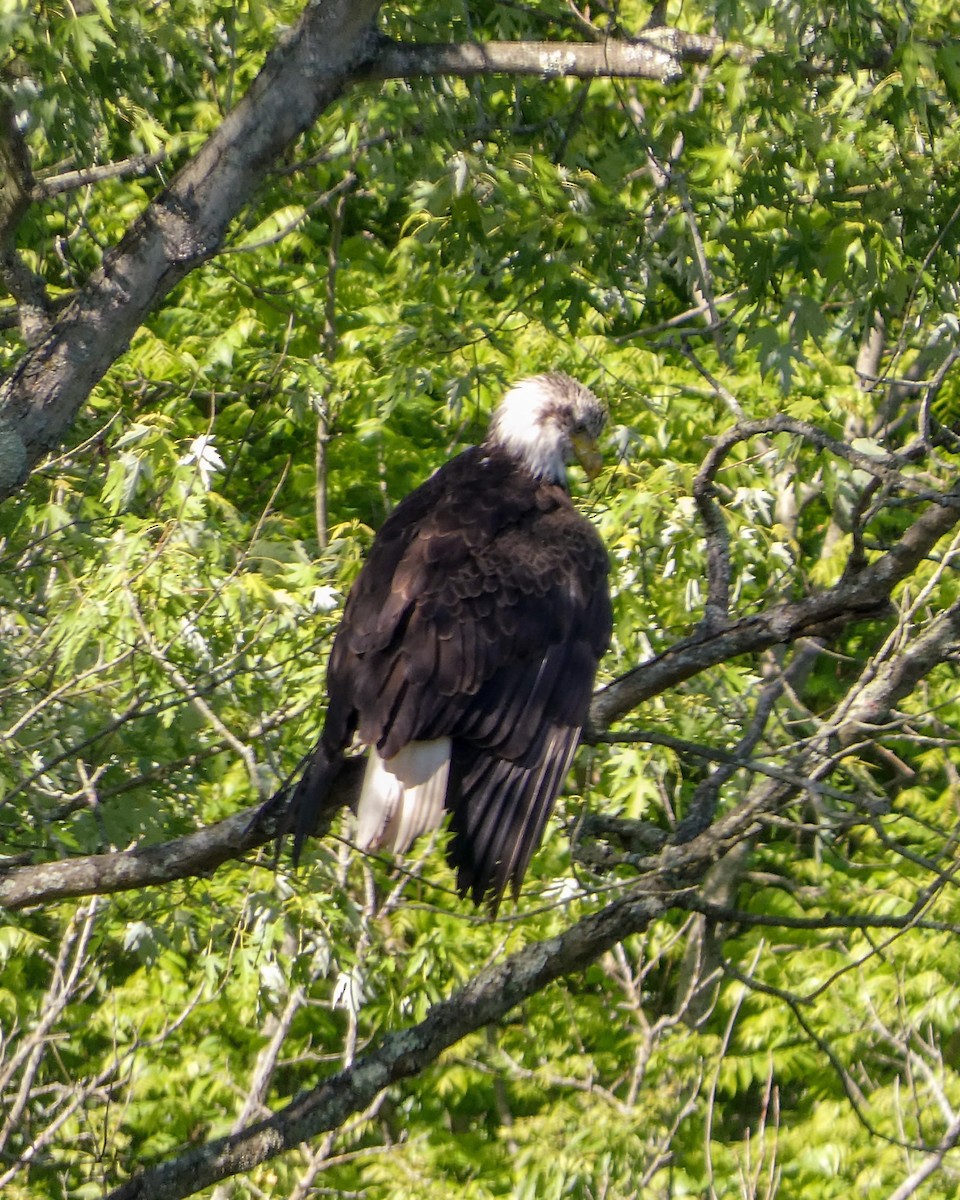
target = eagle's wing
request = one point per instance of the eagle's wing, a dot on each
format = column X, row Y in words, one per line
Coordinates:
column 479, row 616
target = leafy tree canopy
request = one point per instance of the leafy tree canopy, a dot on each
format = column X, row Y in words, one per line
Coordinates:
column 733, row 968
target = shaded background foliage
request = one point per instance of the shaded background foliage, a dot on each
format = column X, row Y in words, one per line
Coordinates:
column 774, row 233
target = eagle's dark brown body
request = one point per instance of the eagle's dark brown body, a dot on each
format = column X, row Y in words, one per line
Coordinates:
column 478, row 617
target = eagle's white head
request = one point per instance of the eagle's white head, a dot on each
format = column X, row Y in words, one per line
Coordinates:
column 546, row 422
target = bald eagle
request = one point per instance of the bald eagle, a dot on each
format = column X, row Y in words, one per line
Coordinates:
column 469, row 643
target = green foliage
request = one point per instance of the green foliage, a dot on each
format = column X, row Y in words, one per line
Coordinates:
column 167, row 597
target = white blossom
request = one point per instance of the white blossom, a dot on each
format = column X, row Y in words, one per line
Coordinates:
column 207, row 458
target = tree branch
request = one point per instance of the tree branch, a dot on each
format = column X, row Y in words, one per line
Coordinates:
column 487, row 998
column 658, row 55
column 491, row 995
column 68, row 181
column 333, row 45
column 898, row 676
column 864, row 594
column 194, row 854
column 16, row 180
column 703, row 803
column 15, row 175
column 931, row 1163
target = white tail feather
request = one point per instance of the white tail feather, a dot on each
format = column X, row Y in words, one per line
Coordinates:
column 402, row 797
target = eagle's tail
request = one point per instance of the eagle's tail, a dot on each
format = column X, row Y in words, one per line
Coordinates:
column 310, row 800
column 402, row 797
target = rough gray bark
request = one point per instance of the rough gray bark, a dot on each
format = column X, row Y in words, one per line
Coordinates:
column 194, row 854
column 184, row 226
column 660, row 58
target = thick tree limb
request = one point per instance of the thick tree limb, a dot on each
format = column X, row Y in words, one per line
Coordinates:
column 865, row 594
column 333, row 45
column 487, row 998
column 899, row 675
column 185, row 225
column 491, row 995
column 498, row 989
column 197, row 853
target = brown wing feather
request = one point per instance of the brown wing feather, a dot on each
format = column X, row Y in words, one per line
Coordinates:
column 500, row 812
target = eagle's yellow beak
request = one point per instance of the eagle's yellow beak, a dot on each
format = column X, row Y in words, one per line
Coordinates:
column 587, row 454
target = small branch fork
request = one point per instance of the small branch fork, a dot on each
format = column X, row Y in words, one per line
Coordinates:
column 863, row 591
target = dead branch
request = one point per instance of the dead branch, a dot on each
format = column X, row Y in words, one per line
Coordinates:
column 49, row 186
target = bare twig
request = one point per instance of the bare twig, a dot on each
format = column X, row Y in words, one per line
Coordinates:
column 55, row 185
column 183, row 685
column 71, row 959
column 933, row 1162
